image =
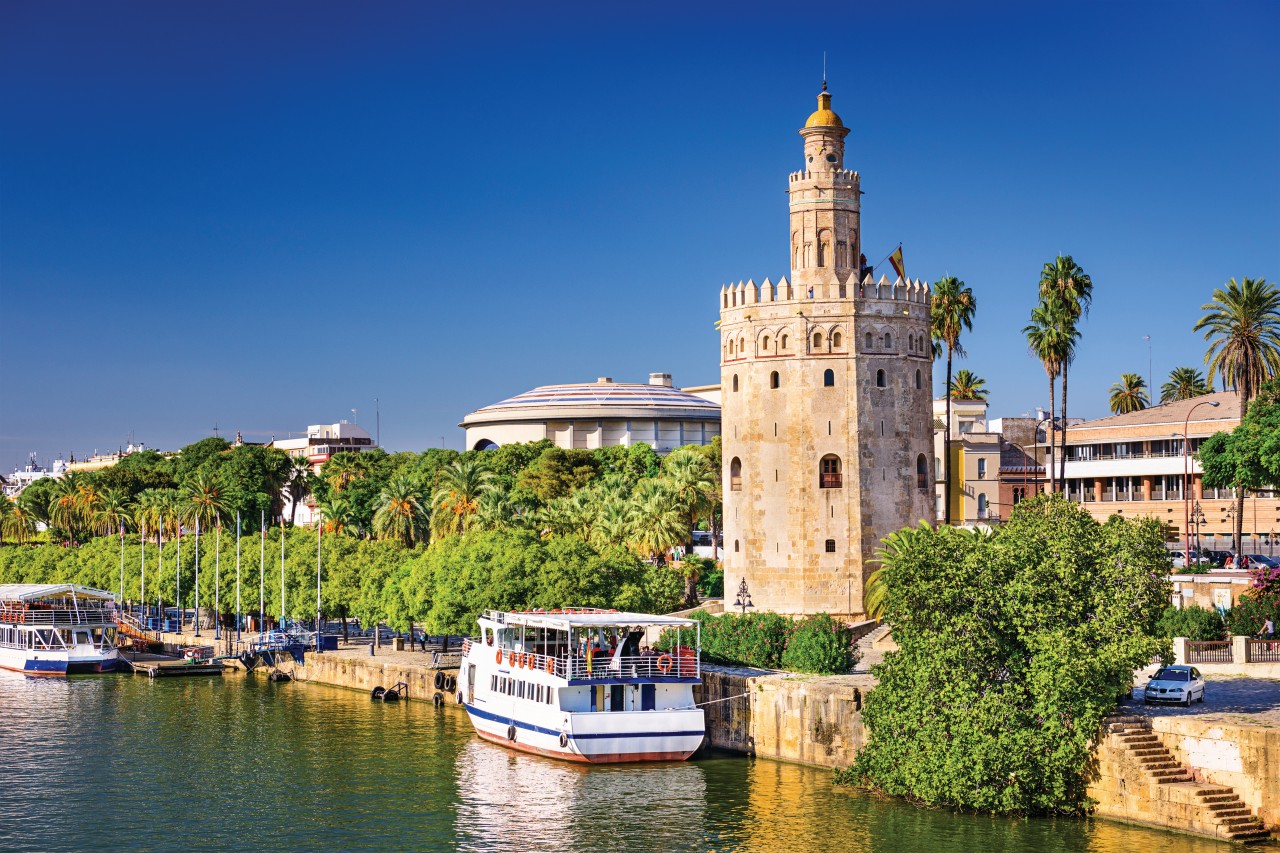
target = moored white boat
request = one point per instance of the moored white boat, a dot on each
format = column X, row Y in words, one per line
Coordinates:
column 57, row 629
column 582, row 685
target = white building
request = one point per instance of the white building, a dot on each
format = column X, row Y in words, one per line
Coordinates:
column 603, row 413
column 22, row 477
column 320, row 443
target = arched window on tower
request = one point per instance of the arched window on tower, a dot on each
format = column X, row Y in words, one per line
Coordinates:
column 828, row 378
column 735, row 382
column 735, row 475
column 881, row 379
column 782, row 342
column 870, row 341
column 835, row 340
column 829, row 472
column 817, row 340
column 922, row 473
column 919, row 380
column 766, row 343
column 774, row 382
column 888, row 341
column 824, row 248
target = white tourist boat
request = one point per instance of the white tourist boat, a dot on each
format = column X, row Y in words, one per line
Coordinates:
column 582, row 685
column 57, row 629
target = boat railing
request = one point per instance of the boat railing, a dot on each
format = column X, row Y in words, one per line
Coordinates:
column 600, row 666
column 58, row 615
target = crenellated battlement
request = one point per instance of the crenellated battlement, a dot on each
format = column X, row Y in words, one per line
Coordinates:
column 898, row 290
column 838, row 175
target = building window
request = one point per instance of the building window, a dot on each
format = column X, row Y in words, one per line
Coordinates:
column 735, row 475
column 735, row 382
column 919, row 381
column 922, row 472
column 773, row 379
column 870, row 341
column 835, row 340
column 829, row 472
column 783, row 343
column 881, row 381
column 828, row 378
column 735, row 546
column 888, row 341
column 817, row 340
column 831, row 546
column 765, row 347
column 982, row 469
column 982, row 506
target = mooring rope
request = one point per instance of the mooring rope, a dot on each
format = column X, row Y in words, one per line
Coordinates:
column 725, row 699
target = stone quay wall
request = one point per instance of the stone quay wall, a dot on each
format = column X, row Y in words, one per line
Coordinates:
column 1243, row 757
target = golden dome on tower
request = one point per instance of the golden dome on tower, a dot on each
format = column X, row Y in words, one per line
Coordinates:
column 823, row 115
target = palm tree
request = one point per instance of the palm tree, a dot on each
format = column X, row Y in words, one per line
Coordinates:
column 695, row 487
column 338, row 515
column 205, row 498
column 1129, row 394
column 1065, row 284
column 1242, row 327
column 1051, row 340
column 115, row 510
column 298, row 484
column 457, row 496
column 343, row 469
column 401, row 514
column 149, row 511
column 497, row 511
column 968, row 386
column 612, row 525
column 1184, row 383
column 65, row 504
column 17, row 522
column 656, row 521
column 951, row 311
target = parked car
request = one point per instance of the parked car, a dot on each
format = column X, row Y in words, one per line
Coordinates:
column 1217, row 558
column 1180, row 559
column 1263, row 561
column 1177, row 684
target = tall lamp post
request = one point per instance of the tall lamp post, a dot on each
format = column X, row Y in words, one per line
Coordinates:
column 1231, row 525
column 1186, row 472
column 1036, row 435
column 1197, row 518
column 744, row 597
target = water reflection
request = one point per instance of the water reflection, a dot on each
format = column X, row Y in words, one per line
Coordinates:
column 121, row 762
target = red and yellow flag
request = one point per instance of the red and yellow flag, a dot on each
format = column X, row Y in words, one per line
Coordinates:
column 896, row 260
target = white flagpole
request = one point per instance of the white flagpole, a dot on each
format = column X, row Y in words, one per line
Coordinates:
column 282, row 574
column 217, row 581
column 237, row 575
column 177, row 573
column 262, row 577
column 142, row 572
column 122, row 564
column 197, row 616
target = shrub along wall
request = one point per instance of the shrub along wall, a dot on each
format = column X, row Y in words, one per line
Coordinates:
column 817, row 644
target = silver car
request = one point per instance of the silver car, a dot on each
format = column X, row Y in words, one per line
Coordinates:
column 1178, row 684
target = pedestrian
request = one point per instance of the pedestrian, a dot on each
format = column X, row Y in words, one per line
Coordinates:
column 1268, row 630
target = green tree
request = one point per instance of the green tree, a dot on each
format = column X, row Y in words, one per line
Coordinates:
column 1248, row 457
column 1064, row 284
column 695, row 486
column 457, row 495
column 951, row 311
column 1013, row 646
column 401, row 515
column 968, row 386
column 558, row 472
column 656, row 521
column 1051, row 337
column 1184, row 383
column 1242, row 327
column 115, row 510
column 1129, row 394
column 299, row 483
column 204, row 496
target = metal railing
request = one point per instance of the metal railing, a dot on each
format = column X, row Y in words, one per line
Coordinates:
column 58, row 616
column 601, row 667
column 1209, row 651
column 1264, row 651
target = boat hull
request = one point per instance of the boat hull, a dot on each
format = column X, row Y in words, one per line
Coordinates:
column 676, row 743
column 53, row 665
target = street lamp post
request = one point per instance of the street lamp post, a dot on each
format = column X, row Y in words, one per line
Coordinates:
column 1048, row 436
column 1186, row 457
column 1231, row 525
column 744, row 597
column 1197, row 518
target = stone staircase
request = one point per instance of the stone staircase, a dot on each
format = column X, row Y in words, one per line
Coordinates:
column 1211, row 809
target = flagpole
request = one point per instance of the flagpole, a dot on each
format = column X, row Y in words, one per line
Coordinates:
column 217, row 581
column 238, row 576
column 142, row 572
column 177, row 592
column 262, row 576
column 197, row 616
column 319, row 532
column 122, row 564
column 282, row 574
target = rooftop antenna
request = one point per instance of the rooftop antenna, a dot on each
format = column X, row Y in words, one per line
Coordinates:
column 353, row 416
column 824, row 71
column 215, row 430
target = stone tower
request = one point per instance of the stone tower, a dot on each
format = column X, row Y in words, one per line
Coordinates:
column 826, row 389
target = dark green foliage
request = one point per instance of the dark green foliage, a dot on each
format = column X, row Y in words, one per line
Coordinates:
column 1013, row 647
column 1194, row 623
column 1251, row 611
column 820, row 644
column 710, row 579
column 558, row 472
column 763, row 641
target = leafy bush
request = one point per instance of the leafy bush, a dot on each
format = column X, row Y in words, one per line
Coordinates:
column 1012, row 644
column 1253, row 608
column 820, row 644
column 1194, row 623
column 763, row 640
column 711, row 580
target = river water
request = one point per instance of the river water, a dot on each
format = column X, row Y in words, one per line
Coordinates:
column 123, row 762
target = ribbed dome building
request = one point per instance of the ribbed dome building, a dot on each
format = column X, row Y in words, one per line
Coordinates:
column 603, row 413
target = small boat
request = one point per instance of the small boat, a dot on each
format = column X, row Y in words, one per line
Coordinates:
column 57, row 629
column 582, row 684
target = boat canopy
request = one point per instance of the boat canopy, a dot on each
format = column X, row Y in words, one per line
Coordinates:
column 564, row 620
column 41, row 591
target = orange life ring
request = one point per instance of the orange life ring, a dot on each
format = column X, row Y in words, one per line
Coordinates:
column 551, row 666
column 511, row 657
column 499, row 658
column 664, row 664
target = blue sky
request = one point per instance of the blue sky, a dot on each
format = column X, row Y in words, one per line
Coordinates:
column 261, row 216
